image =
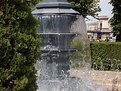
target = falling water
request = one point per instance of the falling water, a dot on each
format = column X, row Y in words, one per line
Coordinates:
column 48, row 76
column 66, row 84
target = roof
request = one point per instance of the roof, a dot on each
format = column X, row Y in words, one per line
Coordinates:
column 103, row 17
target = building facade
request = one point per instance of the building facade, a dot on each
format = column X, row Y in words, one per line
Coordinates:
column 100, row 30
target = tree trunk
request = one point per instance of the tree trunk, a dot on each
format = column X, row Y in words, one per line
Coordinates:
column 118, row 38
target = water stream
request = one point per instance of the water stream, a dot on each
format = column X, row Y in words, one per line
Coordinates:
column 65, row 43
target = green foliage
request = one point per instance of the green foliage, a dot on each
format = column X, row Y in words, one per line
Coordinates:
column 106, row 55
column 86, row 7
column 81, row 57
column 116, row 19
column 19, row 46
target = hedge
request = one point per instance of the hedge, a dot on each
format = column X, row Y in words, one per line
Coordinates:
column 106, row 55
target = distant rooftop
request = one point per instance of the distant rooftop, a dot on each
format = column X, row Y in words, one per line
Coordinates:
column 103, row 17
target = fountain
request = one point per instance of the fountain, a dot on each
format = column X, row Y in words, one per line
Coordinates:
column 59, row 26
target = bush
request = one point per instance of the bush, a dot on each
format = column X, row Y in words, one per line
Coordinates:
column 106, row 55
column 19, row 46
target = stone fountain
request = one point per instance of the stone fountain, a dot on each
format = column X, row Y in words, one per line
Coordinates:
column 56, row 18
column 57, row 29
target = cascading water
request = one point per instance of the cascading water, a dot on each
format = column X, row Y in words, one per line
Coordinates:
column 48, row 77
column 61, row 29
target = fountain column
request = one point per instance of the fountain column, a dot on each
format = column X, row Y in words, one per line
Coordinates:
column 56, row 18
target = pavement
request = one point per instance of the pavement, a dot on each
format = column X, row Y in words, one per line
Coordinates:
column 109, row 80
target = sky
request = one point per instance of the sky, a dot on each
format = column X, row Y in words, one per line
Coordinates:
column 105, row 10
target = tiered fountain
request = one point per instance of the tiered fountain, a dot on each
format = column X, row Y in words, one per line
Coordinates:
column 56, row 29
column 56, row 18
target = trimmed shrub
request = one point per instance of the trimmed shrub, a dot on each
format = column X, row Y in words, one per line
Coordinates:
column 106, row 55
column 19, row 46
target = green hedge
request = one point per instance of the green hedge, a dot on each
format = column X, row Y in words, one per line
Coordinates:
column 19, row 46
column 106, row 55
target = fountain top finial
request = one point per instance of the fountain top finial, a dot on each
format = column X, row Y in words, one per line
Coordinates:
column 54, row 7
column 54, row 0
column 54, row 4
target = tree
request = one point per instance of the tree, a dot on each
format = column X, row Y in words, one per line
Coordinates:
column 116, row 19
column 86, row 7
column 19, row 46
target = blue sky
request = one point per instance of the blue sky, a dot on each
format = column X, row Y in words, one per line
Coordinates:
column 105, row 9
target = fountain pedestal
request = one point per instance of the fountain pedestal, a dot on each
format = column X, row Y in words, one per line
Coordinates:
column 56, row 49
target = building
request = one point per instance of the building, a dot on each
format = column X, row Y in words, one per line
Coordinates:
column 100, row 30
